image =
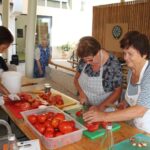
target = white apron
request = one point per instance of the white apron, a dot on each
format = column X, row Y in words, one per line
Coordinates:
column 140, row 122
column 93, row 86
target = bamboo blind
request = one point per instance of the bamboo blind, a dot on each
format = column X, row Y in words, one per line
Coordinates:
column 135, row 13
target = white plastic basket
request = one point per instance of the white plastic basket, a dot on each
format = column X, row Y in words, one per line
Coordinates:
column 55, row 142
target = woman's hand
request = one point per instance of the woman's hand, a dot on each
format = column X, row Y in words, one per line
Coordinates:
column 122, row 105
column 98, row 108
column 14, row 97
column 82, row 97
column 94, row 108
column 93, row 116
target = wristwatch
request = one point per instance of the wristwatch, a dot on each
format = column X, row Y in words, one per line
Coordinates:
column 117, row 31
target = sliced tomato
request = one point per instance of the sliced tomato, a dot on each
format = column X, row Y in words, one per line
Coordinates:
column 93, row 126
column 104, row 124
column 25, row 106
column 35, row 104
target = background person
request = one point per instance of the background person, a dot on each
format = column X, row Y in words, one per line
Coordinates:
column 136, row 48
column 6, row 38
column 43, row 55
column 98, row 78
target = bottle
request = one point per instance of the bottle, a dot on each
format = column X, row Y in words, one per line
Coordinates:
column 47, row 88
column 12, row 142
column 108, row 141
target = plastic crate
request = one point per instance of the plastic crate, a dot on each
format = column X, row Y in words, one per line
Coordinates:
column 55, row 142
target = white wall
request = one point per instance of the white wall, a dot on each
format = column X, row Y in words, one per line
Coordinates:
column 12, row 27
column 67, row 25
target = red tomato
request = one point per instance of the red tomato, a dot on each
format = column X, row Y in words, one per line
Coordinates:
column 59, row 116
column 47, row 123
column 50, row 115
column 48, row 134
column 93, row 126
column 41, row 118
column 59, row 100
column 25, row 106
column 79, row 113
column 75, row 129
column 45, row 96
column 52, row 100
column 65, row 127
column 35, row 104
column 24, row 96
column 32, row 119
column 40, row 127
column 50, row 129
column 55, row 123
column 104, row 124
column 31, row 100
column 72, row 123
column 17, row 104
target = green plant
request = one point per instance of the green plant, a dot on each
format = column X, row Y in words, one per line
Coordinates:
column 66, row 47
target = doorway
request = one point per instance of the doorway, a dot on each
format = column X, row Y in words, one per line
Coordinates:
column 43, row 28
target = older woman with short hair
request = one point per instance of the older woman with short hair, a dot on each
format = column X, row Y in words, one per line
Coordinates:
column 98, row 78
column 136, row 49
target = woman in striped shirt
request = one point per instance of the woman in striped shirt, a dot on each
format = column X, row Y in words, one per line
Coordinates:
column 136, row 106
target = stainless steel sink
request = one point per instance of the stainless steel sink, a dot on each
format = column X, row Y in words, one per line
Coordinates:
column 4, row 139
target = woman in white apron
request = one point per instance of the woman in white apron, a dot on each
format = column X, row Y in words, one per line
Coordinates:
column 6, row 38
column 135, row 46
column 96, row 63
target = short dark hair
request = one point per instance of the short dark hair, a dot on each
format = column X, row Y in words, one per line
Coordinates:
column 5, row 36
column 88, row 46
column 138, row 41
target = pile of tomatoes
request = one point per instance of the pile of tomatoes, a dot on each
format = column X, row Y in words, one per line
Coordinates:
column 93, row 126
column 26, row 102
column 52, row 124
column 52, row 99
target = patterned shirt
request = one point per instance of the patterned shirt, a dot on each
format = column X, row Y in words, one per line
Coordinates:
column 112, row 74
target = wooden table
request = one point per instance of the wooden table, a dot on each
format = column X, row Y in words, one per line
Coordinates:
column 125, row 132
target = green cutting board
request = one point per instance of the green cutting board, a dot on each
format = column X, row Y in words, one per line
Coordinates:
column 126, row 145
column 92, row 135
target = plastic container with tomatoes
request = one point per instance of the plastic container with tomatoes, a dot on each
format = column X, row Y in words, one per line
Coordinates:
column 63, row 137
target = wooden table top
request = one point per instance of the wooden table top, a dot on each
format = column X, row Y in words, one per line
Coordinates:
column 123, row 133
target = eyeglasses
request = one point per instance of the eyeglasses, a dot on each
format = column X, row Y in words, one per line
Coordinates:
column 88, row 59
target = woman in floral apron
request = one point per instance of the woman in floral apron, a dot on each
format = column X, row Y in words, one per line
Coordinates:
column 98, row 78
column 42, row 59
column 136, row 48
